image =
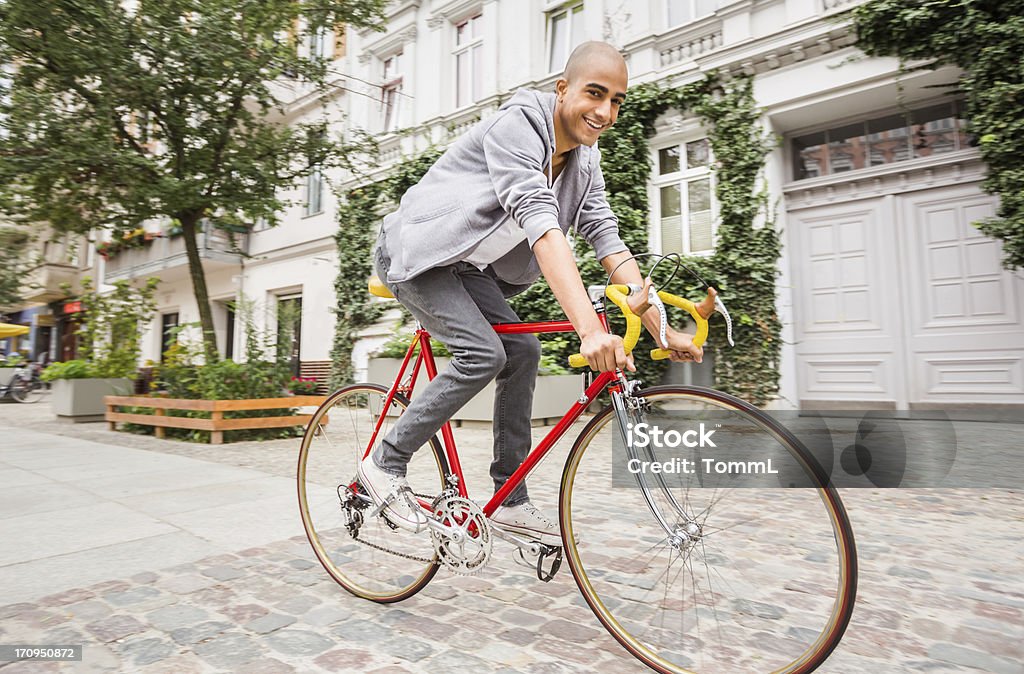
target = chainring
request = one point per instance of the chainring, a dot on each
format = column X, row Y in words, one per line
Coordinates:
column 468, row 551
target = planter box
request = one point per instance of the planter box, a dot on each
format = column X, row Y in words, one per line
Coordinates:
column 81, row 400
column 552, row 396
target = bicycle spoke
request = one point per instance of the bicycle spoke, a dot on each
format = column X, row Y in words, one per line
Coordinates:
column 366, row 555
column 703, row 598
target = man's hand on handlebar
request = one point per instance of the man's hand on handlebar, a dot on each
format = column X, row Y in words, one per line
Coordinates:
column 681, row 347
column 679, row 344
column 605, row 352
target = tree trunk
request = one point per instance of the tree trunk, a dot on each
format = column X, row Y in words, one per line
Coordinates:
column 195, row 269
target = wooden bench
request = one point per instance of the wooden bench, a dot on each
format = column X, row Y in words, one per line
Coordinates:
column 216, row 424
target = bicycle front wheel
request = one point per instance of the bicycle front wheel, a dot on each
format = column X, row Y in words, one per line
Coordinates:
column 362, row 552
column 740, row 575
column 26, row 390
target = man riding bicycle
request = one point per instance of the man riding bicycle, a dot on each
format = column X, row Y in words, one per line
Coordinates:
column 484, row 223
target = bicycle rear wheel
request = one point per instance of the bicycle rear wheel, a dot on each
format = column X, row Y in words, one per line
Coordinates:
column 759, row 577
column 366, row 555
column 26, row 390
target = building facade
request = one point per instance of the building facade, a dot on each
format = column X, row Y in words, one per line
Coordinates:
column 889, row 297
column 47, row 309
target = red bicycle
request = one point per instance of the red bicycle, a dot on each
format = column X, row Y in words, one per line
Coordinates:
column 688, row 570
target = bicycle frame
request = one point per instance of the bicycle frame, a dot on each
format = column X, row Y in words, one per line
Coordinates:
column 425, row 357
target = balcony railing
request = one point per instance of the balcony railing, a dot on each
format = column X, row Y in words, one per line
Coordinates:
column 217, row 248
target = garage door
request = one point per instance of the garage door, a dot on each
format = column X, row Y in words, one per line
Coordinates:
column 900, row 302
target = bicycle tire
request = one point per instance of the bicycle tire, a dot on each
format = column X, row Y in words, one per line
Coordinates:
column 791, row 626
column 26, row 390
column 335, row 439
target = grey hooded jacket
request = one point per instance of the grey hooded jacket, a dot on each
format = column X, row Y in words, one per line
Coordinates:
column 500, row 169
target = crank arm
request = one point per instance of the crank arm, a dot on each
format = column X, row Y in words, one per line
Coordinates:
column 525, row 545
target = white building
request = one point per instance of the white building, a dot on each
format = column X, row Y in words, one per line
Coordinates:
column 888, row 296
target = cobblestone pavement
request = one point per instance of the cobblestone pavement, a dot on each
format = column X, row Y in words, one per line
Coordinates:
column 941, row 590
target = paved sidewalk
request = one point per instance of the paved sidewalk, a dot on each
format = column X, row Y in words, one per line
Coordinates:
column 161, row 556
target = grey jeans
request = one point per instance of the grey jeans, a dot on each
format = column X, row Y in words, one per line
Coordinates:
column 457, row 304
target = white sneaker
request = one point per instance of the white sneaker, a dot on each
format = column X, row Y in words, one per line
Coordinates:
column 526, row 520
column 402, row 508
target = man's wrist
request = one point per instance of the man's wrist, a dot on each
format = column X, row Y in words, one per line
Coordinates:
column 585, row 331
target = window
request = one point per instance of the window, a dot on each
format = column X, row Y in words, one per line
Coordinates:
column 684, row 186
column 168, row 332
column 314, row 192
column 468, row 53
column 229, row 338
column 316, row 43
column 340, row 40
column 934, row 130
column 391, row 92
column 289, row 331
column 685, row 11
column 565, row 31
column 314, row 181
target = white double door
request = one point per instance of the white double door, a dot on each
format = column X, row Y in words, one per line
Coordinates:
column 899, row 301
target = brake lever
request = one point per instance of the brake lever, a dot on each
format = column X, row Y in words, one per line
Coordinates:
column 720, row 308
column 655, row 301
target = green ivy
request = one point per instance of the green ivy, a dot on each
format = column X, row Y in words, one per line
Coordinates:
column 743, row 266
column 986, row 40
column 359, row 213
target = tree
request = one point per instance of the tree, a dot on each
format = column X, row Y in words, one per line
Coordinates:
column 118, row 112
column 15, row 263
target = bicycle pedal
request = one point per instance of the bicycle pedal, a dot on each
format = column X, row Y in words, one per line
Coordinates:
column 520, row 558
column 556, row 562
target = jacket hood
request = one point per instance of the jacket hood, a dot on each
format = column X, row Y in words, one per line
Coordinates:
column 540, row 102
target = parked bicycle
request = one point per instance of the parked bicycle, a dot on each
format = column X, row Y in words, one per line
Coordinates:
column 25, row 385
column 712, row 578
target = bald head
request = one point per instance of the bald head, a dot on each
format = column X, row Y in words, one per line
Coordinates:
column 590, row 55
column 588, row 95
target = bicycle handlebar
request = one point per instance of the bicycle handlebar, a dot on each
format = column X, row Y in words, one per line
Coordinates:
column 617, row 293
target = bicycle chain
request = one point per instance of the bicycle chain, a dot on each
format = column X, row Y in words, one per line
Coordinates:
column 395, row 552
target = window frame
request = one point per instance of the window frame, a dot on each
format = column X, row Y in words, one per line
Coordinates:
column 164, row 339
column 314, row 184
column 567, row 9
column 316, row 44
column 694, row 16
column 958, row 130
column 295, row 354
column 682, row 177
column 391, row 92
column 470, row 48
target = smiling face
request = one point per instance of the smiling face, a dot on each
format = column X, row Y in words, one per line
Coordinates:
column 589, row 97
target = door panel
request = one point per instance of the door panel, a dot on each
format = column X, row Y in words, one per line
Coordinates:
column 965, row 335
column 846, row 336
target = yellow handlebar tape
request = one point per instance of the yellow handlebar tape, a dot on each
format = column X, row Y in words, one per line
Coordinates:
column 690, row 308
column 617, row 294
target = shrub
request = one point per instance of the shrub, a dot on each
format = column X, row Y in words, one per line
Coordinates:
column 71, row 369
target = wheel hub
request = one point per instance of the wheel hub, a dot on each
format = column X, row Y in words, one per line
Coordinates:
column 686, row 535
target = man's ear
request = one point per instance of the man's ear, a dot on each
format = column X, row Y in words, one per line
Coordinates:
column 561, row 86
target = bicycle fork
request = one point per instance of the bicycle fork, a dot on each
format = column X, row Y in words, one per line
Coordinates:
column 680, row 535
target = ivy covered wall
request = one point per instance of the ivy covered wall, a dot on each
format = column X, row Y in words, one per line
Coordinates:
column 743, row 266
column 986, row 40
